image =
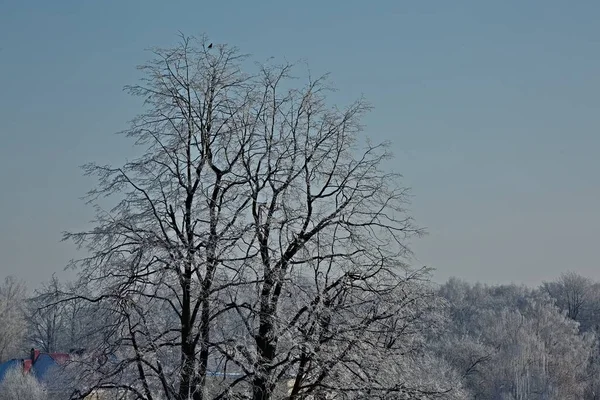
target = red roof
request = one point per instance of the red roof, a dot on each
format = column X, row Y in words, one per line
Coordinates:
column 60, row 358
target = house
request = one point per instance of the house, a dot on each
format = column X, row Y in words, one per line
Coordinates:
column 42, row 365
column 38, row 364
column 46, row 368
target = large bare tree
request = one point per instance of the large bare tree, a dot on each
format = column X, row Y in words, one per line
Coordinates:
column 256, row 249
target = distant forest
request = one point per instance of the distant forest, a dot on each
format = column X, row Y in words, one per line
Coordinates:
column 471, row 341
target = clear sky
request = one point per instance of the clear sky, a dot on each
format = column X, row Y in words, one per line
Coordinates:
column 493, row 108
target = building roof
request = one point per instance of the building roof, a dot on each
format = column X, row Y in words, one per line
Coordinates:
column 45, row 363
column 8, row 365
column 39, row 364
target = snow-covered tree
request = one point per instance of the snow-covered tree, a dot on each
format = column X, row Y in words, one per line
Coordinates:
column 19, row 386
column 12, row 318
column 573, row 294
column 511, row 342
column 57, row 325
column 254, row 201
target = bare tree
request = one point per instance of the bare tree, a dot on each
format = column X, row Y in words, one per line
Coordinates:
column 46, row 322
column 256, row 236
column 57, row 325
column 572, row 293
column 12, row 317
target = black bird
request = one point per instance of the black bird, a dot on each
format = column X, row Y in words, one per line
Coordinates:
column 210, row 46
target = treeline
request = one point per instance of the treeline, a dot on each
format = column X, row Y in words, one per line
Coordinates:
column 515, row 342
column 470, row 341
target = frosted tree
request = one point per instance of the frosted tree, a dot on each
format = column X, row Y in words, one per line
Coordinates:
column 576, row 296
column 511, row 342
column 12, row 318
column 46, row 322
column 257, row 236
column 57, row 325
column 19, row 386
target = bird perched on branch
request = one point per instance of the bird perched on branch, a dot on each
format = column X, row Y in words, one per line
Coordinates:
column 210, row 46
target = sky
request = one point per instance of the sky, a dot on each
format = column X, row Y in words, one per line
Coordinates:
column 492, row 109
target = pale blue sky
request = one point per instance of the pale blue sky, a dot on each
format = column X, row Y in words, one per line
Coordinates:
column 493, row 109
